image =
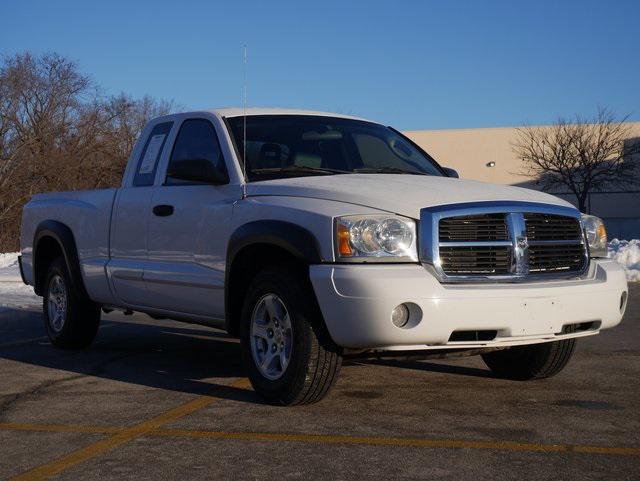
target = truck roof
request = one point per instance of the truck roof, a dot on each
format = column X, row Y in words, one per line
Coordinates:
column 238, row 112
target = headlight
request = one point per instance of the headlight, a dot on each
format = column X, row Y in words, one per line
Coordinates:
column 371, row 238
column 596, row 235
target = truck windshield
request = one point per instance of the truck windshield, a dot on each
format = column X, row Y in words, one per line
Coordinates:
column 281, row 146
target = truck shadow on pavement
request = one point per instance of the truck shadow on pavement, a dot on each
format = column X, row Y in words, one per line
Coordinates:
column 434, row 367
column 159, row 354
column 149, row 353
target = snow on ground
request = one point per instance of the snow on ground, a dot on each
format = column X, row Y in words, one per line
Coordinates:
column 14, row 293
column 627, row 253
column 9, row 266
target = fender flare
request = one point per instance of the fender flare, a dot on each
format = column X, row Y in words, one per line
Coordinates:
column 64, row 237
column 294, row 239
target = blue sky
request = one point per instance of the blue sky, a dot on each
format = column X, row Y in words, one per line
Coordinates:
column 415, row 65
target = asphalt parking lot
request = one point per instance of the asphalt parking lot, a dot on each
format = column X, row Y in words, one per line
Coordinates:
column 164, row 400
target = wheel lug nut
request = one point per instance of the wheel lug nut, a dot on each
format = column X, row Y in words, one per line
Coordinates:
column 274, row 348
column 270, row 332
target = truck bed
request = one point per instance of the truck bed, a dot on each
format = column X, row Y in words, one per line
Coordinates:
column 88, row 215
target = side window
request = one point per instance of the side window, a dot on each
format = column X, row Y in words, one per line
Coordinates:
column 197, row 139
column 148, row 162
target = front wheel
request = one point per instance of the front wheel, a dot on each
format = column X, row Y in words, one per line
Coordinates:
column 288, row 354
column 537, row 361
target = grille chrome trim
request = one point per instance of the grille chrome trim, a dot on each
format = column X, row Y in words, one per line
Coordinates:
column 486, row 227
column 476, row 244
column 515, row 212
column 518, row 235
column 559, row 242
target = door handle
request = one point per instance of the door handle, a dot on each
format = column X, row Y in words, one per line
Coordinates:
column 163, row 210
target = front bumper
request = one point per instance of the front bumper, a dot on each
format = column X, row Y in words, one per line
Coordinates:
column 356, row 302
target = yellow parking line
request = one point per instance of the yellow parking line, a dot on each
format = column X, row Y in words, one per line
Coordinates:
column 121, row 437
column 321, row 439
column 118, row 436
column 621, row 451
column 388, row 441
column 59, row 428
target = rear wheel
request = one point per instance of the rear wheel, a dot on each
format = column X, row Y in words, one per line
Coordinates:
column 537, row 361
column 288, row 354
column 70, row 319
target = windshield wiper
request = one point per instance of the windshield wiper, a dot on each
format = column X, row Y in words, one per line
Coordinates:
column 301, row 169
column 386, row 170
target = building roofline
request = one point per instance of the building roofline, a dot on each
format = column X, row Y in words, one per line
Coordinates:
column 512, row 127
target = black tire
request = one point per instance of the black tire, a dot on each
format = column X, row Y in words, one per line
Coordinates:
column 315, row 360
column 537, row 361
column 81, row 317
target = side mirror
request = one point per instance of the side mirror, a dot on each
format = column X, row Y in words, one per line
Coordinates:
column 451, row 172
column 197, row 170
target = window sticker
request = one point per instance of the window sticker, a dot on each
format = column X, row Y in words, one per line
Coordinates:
column 151, row 155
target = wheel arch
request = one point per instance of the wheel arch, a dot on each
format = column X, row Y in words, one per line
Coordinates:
column 257, row 244
column 52, row 239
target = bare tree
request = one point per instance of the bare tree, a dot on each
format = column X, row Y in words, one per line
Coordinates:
column 124, row 119
column 58, row 133
column 581, row 155
column 40, row 98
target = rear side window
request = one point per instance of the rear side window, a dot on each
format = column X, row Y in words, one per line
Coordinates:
column 148, row 162
column 197, row 139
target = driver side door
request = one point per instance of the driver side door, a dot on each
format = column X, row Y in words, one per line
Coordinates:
column 188, row 230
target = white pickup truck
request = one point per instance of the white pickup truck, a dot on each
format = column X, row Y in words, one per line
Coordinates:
column 313, row 236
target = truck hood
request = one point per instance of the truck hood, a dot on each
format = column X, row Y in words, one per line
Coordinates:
column 400, row 194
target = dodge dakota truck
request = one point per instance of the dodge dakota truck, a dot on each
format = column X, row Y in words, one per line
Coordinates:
column 314, row 236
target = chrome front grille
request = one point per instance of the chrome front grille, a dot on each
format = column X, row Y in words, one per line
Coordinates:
column 552, row 227
column 489, row 260
column 556, row 258
column 486, row 227
column 500, row 241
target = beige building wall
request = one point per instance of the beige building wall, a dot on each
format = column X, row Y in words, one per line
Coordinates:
column 470, row 150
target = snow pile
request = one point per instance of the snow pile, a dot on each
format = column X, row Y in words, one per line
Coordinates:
column 17, row 295
column 12, row 291
column 9, row 270
column 627, row 254
column 8, row 259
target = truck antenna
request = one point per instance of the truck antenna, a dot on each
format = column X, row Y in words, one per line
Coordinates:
column 244, row 120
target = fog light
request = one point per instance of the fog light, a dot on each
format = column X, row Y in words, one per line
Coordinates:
column 400, row 315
